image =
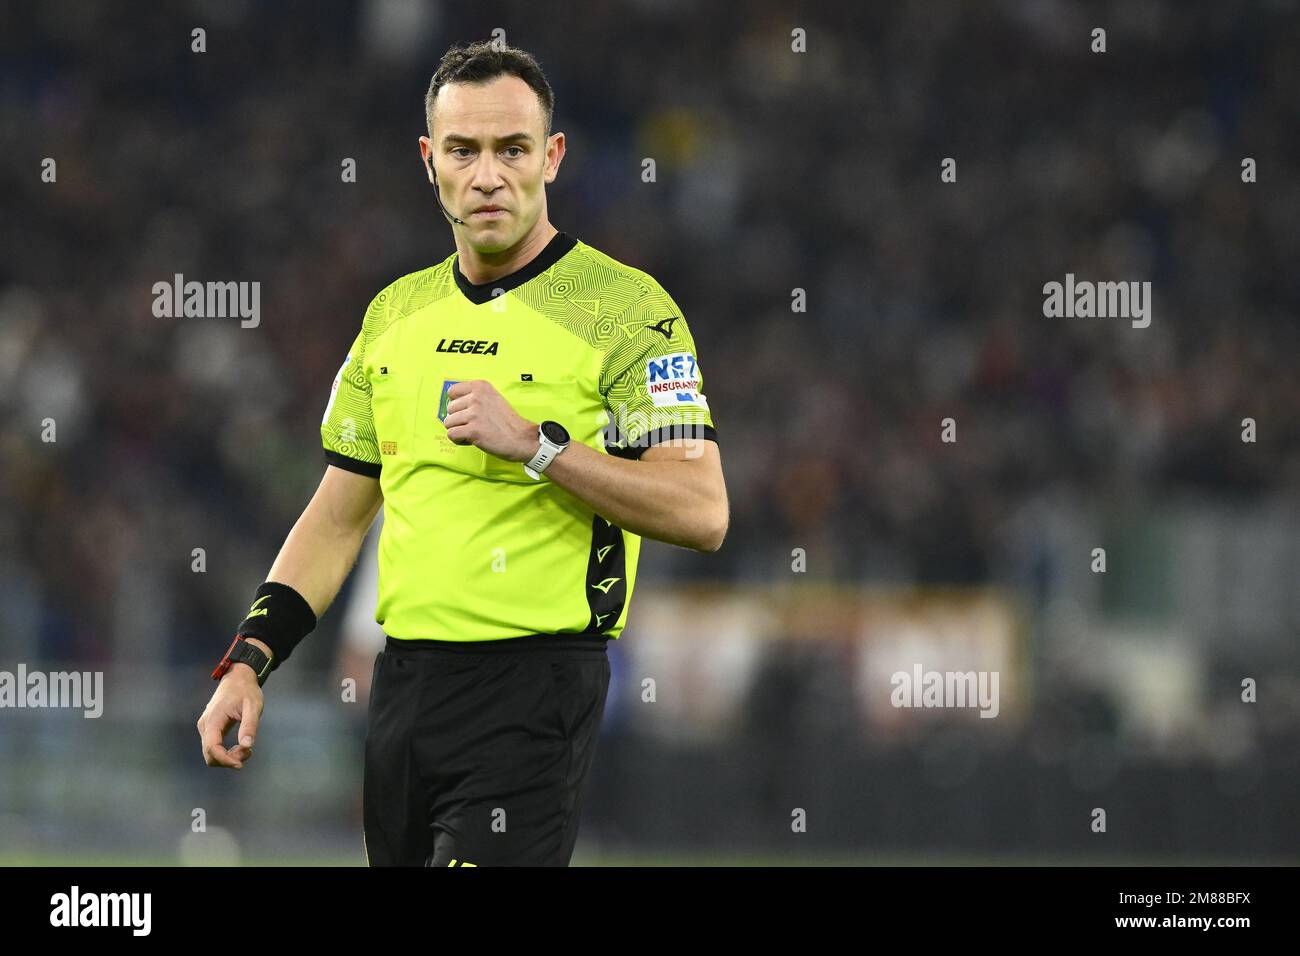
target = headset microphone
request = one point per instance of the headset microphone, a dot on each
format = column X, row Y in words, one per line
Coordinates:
column 437, row 195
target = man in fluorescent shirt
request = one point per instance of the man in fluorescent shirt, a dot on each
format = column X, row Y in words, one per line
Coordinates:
column 525, row 411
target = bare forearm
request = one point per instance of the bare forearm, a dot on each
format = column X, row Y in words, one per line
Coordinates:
column 674, row 493
column 314, row 561
column 663, row 500
column 316, row 558
column 323, row 545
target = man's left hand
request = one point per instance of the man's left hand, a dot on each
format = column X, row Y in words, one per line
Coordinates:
column 479, row 415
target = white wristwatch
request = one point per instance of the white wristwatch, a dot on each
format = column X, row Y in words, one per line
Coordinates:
column 552, row 438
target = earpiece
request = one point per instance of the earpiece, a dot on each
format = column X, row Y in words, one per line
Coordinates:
column 437, row 194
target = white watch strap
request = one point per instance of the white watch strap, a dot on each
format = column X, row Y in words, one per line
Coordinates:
column 546, row 453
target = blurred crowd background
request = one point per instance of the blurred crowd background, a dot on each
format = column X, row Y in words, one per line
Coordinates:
column 777, row 171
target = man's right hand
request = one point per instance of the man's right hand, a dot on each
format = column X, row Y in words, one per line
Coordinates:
column 237, row 698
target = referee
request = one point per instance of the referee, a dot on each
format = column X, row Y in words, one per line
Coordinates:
column 525, row 411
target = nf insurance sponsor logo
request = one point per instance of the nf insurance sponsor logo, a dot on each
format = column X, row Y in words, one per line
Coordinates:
column 670, row 379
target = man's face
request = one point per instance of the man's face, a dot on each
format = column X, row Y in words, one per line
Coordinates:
column 489, row 150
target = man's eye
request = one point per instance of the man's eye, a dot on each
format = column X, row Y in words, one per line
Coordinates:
column 459, row 149
column 517, row 155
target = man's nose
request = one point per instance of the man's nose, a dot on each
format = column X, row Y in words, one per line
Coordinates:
column 486, row 174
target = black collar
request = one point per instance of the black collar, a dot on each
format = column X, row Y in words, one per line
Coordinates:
column 554, row 251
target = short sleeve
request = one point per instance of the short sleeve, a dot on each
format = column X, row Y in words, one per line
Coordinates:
column 348, row 428
column 651, row 380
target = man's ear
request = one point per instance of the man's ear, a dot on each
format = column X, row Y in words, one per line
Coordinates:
column 558, row 140
column 428, row 159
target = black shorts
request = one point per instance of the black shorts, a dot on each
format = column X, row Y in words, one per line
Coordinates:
column 480, row 756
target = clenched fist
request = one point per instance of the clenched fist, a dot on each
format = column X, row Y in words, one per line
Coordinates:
column 479, row 415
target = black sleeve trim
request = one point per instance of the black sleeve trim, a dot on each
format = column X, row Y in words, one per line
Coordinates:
column 667, row 433
column 367, row 468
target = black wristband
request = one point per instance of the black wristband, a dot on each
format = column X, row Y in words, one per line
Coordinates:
column 280, row 617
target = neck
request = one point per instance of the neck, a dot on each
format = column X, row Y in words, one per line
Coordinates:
column 480, row 267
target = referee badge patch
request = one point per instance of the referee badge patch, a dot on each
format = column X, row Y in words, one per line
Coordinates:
column 673, row 379
column 443, row 400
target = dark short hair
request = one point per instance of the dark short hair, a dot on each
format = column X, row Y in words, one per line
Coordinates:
column 482, row 61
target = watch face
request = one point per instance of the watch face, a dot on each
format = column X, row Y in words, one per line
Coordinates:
column 555, row 432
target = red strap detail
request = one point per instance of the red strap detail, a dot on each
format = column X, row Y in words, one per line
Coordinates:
column 226, row 663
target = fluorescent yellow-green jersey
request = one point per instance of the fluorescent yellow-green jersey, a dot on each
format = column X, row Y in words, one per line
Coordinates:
column 473, row 548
